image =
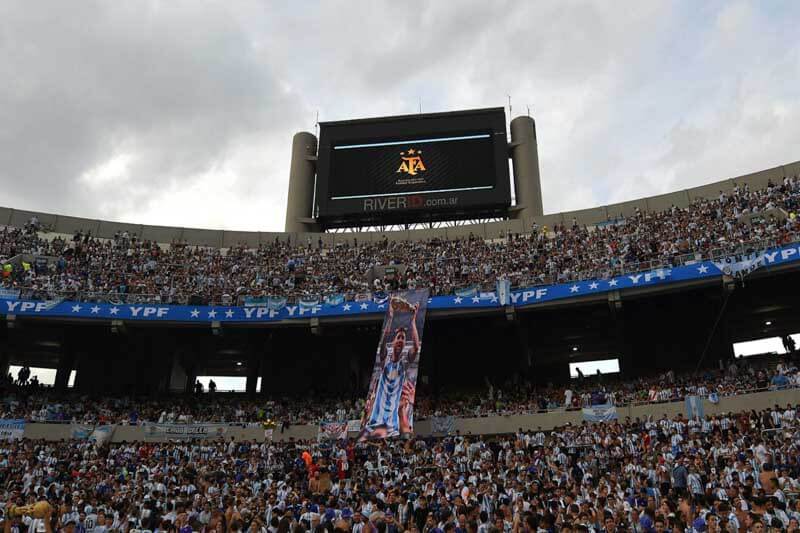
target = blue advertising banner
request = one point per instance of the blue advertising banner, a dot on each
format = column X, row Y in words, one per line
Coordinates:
column 276, row 309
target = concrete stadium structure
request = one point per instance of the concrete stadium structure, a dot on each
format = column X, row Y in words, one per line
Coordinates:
column 537, row 340
column 65, row 224
column 522, row 150
column 469, row 426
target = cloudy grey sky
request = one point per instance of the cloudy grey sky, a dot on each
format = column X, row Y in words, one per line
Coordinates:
column 182, row 112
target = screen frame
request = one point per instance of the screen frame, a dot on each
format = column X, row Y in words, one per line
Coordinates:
column 470, row 203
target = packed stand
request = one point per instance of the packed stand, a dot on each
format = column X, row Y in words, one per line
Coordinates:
column 733, row 473
column 128, row 267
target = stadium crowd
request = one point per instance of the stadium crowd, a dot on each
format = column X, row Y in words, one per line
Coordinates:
column 30, row 401
column 86, row 267
column 733, row 472
column 729, row 473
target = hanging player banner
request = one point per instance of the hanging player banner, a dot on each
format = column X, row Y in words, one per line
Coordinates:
column 332, row 431
column 11, row 429
column 694, row 407
column 268, row 434
column 389, row 410
column 504, row 291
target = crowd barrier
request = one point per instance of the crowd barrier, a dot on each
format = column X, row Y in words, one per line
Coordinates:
column 490, row 425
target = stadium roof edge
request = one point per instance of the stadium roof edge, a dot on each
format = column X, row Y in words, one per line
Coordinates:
column 66, row 224
column 412, row 116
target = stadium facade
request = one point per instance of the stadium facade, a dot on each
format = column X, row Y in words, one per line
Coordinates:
column 637, row 325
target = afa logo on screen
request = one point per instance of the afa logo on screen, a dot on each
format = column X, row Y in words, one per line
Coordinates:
column 411, row 162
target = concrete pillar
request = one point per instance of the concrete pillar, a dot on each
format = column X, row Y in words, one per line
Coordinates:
column 724, row 343
column 430, row 348
column 524, row 327
column 253, row 371
column 623, row 344
column 265, row 368
column 83, row 366
column 3, row 358
column 299, row 204
column 191, row 375
column 66, row 363
column 525, row 156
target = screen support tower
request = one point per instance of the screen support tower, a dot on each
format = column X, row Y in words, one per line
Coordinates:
column 524, row 155
column 302, row 171
column 522, row 150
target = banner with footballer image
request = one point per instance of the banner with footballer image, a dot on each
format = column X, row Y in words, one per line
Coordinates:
column 389, row 410
column 332, row 431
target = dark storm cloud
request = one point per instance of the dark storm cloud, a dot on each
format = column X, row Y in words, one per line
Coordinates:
column 182, row 112
column 174, row 90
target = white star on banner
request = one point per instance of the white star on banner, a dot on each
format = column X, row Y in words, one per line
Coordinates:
column 212, row 314
column 457, row 300
column 476, row 299
column 494, row 299
column 76, row 308
column 612, row 283
column 95, row 309
column 364, row 305
column 703, row 269
column 195, row 313
column 381, row 306
column 346, row 307
column 593, row 285
column 229, row 313
column 114, row 310
column 574, row 288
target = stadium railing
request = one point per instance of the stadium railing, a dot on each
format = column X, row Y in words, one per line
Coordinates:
column 498, row 424
column 488, row 414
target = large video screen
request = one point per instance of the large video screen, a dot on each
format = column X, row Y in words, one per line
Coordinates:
column 412, row 168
